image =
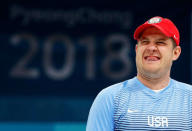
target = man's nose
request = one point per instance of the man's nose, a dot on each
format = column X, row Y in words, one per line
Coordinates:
column 152, row 46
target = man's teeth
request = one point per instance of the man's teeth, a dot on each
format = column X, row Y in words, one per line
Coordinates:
column 152, row 58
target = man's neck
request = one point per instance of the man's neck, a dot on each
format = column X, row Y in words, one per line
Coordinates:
column 154, row 83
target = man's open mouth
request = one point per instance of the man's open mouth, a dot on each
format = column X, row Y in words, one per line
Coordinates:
column 152, row 58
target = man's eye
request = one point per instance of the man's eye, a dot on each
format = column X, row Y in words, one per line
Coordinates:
column 160, row 43
column 144, row 41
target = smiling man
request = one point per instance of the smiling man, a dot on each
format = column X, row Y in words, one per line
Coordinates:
column 154, row 55
column 151, row 100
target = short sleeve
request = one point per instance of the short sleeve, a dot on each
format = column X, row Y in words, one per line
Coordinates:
column 101, row 113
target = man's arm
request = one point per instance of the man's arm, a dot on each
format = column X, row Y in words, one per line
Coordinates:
column 101, row 113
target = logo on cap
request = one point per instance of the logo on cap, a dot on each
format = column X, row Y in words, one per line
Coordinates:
column 175, row 37
column 154, row 20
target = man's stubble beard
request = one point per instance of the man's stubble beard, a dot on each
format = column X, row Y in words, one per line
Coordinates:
column 146, row 74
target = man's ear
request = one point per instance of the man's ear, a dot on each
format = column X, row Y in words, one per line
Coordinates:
column 136, row 46
column 176, row 52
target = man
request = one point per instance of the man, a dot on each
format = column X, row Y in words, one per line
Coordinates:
column 151, row 100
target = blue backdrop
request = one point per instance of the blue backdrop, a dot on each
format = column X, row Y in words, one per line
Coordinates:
column 56, row 56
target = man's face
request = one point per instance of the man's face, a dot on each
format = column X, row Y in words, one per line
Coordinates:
column 155, row 53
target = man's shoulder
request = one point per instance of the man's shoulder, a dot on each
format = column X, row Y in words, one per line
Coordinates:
column 113, row 89
column 116, row 88
column 183, row 86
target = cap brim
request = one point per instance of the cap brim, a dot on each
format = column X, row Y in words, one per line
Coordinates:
column 141, row 28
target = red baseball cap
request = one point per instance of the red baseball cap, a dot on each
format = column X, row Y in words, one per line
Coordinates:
column 165, row 25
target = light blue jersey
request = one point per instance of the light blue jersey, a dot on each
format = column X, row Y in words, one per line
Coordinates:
column 132, row 106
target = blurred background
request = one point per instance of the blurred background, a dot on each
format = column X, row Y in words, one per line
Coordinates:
column 57, row 55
